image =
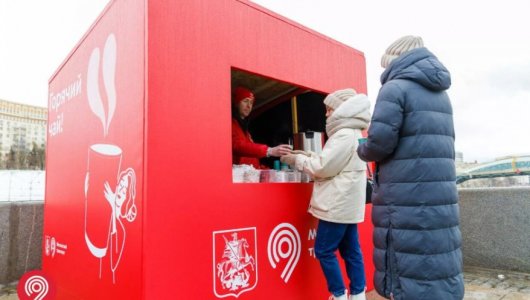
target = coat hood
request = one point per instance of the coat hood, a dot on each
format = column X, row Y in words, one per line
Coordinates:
column 354, row 113
column 421, row 66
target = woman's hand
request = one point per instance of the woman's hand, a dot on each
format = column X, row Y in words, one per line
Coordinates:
column 280, row 150
column 302, row 152
column 289, row 159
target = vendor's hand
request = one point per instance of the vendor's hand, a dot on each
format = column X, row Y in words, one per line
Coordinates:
column 289, row 159
column 301, row 152
column 280, row 150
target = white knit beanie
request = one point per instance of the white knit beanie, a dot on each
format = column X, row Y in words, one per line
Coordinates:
column 335, row 99
column 399, row 47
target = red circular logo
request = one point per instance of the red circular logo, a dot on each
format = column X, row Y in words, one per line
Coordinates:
column 35, row 285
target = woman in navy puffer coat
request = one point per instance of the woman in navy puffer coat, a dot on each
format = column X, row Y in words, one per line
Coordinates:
column 415, row 201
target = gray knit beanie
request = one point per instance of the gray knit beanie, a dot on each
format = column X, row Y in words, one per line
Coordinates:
column 335, row 99
column 399, row 47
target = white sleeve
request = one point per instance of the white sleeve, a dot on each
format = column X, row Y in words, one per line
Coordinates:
column 331, row 161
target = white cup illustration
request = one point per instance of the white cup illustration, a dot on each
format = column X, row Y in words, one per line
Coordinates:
column 109, row 198
column 104, row 162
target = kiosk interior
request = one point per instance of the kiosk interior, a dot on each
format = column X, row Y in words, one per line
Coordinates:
column 282, row 114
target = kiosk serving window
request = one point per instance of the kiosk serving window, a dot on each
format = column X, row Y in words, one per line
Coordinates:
column 266, row 113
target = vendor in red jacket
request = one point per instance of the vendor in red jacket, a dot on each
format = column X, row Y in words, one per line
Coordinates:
column 244, row 150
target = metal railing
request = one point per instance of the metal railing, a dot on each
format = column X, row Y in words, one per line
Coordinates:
column 506, row 167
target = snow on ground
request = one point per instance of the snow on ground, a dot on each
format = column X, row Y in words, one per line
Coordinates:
column 22, row 185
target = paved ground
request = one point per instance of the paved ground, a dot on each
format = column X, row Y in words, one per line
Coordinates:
column 481, row 284
column 484, row 284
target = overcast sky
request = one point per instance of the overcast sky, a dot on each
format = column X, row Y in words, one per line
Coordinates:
column 484, row 44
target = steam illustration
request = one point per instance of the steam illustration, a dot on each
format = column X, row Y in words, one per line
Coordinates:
column 110, row 191
column 284, row 234
column 109, row 70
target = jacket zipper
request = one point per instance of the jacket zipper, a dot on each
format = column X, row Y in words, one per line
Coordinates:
column 390, row 251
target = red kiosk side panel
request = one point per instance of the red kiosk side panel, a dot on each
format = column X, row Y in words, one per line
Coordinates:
column 195, row 217
column 94, row 184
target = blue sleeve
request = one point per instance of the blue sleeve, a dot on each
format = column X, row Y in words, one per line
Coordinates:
column 383, row 134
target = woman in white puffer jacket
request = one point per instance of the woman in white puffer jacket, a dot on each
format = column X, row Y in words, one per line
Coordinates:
column 339, row 190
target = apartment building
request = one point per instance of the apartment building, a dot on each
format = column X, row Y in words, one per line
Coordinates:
column 21, row 125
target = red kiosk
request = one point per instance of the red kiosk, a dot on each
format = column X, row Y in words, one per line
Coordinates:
column 140, row 201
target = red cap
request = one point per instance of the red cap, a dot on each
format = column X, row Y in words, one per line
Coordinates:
column 242, row 93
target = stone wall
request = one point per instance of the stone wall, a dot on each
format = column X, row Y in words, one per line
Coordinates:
column 20, row 238
column 495, row 225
